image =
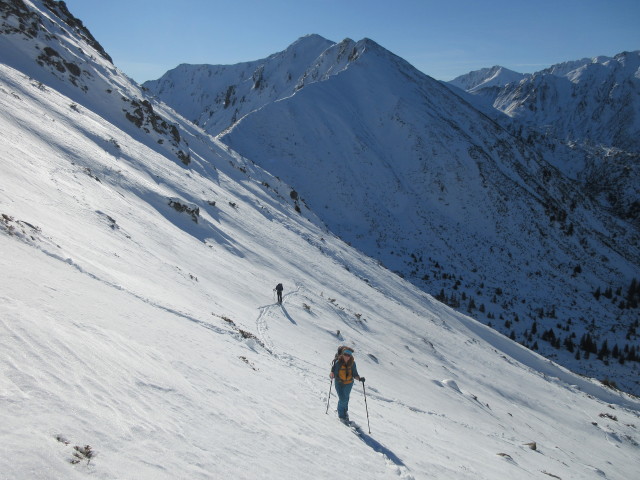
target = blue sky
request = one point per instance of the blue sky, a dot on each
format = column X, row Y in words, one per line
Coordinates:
column 443, row 38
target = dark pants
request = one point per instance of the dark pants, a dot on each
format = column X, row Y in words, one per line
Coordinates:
column 279, row 296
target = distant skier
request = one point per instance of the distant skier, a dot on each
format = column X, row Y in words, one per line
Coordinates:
column 278, row 290
column 344, row 370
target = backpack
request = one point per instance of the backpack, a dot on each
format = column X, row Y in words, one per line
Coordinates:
column 279, row 287
column 348, row 376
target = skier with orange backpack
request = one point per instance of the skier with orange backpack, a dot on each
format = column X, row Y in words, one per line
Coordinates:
column 343, row 371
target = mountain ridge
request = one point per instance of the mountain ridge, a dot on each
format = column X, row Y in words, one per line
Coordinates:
column 242, row 87
column 584, row 116
column 495, row 76
column 426, row 184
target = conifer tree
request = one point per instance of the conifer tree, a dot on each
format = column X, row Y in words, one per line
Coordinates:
column 604, row 350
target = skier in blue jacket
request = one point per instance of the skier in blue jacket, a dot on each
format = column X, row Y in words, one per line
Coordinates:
column 343, row 371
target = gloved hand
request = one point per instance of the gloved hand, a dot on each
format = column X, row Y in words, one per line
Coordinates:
column 362, row 379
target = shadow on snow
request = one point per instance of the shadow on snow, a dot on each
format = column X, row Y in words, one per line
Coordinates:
column 378, row 447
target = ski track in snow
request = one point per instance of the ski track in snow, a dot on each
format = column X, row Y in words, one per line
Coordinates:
column 391, row 459
column 290, row 361
column 263, row 326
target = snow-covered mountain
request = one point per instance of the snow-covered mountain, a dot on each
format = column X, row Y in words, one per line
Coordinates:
column 215, row 97
column 495, row 76
column 416, row 177
column 597, row 100
column 140, row 338
column 590, row 106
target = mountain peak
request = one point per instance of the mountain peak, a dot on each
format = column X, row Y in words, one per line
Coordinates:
column 496, row 76
column 62, row 12
column 311, row 38
column 310, row 42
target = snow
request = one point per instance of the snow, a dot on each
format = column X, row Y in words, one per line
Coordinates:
column 155, row 340
column 592, row 99
column 415, row 177
column 189, row 85
column 496, row 76
column 420, row 180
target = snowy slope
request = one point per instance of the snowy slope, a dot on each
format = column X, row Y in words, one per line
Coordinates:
column 414, row 177
column 115, row 336
column 417, row 178
column 137, row 317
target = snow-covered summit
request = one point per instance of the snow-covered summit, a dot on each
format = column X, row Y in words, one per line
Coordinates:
column 570, row 68
column 215, row 97
column 496, row 76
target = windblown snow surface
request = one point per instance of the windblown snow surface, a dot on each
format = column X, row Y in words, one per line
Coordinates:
column 140, row 338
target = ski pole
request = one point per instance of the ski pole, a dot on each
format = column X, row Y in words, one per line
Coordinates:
column 365, row 405
column 329, row 397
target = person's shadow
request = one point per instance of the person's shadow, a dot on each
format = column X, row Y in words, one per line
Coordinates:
column 378, row 447
column 286, row 314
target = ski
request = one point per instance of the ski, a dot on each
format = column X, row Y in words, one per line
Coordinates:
column 353, row 426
